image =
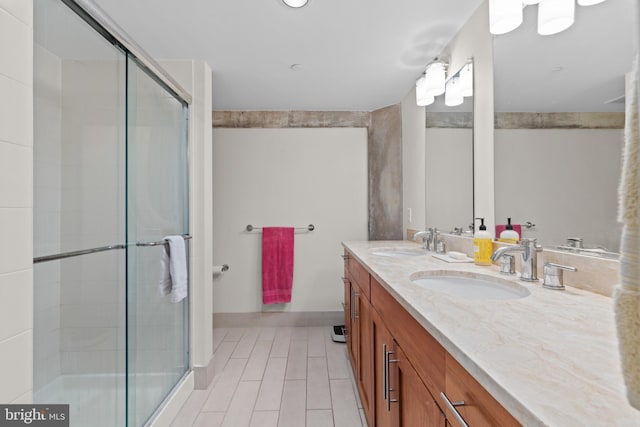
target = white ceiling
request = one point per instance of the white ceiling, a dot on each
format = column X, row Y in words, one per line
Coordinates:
column 352, row 54
column 360, row 54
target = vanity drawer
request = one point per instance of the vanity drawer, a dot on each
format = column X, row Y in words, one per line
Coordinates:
column 480, row 409
column 359, row 275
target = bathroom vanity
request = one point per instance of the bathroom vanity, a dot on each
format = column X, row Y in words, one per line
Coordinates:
column 522, row 355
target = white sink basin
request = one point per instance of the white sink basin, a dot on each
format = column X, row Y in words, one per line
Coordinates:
column 397, row 252
column 462, row 286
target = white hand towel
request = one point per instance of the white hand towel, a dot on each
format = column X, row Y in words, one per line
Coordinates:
column 173, row 264
column 627, row 293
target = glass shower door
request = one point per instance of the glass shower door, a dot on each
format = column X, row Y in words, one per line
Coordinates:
column 79, row 221
column 157, row 207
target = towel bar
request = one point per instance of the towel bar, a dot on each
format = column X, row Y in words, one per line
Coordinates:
column 250, row 228
column 160, row 242
column 71, row 254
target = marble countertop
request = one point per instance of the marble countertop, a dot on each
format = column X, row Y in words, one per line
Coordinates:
column 550, row 358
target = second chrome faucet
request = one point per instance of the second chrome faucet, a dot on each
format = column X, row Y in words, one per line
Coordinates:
column 529, row 253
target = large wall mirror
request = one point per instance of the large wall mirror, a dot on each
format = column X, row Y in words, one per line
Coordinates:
column 559, row 103
column 449, row 162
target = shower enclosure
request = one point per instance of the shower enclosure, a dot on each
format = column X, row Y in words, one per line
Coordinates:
column 110, row 182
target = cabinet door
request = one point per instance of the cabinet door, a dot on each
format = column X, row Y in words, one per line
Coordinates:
column 365, row 353
column 386, row 413
column 416, row 406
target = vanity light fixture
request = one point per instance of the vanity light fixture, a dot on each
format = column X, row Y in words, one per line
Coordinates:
column 295, row 3
column 454, row 88
column 554, row 16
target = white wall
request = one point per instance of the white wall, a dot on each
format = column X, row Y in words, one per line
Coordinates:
column 571, row 192
column 287, row 177
column 413, row 163
column 16, row 206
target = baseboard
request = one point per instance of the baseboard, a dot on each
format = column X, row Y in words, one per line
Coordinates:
column 203, row 375
column 301, row 318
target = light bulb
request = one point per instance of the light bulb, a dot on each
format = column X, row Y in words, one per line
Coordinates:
column 422, row 99
column 453, row 95
column 434, row 79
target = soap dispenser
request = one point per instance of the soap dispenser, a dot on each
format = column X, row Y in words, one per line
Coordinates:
column 482, row 245
column 508, row 235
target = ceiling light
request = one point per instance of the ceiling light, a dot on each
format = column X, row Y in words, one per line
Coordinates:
column 453, row 95
column 530, row 2
column 435, row 79
column 555, row 16
column 466, row 80
column 504, row 15
column 295, row 3
column 589, row 2
column 422, row 99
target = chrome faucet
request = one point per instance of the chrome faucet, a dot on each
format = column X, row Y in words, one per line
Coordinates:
column 425, row 236
column 529, row 251
column 428, row 238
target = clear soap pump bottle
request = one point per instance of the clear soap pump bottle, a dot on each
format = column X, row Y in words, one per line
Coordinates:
column 482, row 245
column 508, row 235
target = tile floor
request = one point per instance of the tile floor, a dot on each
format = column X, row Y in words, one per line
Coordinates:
column 276, row 377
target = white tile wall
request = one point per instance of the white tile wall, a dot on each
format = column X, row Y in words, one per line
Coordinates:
column 16, row 136
column 16, row 289
column 21, row 9
column 15, row 366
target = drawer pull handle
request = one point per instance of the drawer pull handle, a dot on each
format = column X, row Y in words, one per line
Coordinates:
column 344, row 256
column 385, row 373
column 452, row 407
column 355, row 313
column 388, row 388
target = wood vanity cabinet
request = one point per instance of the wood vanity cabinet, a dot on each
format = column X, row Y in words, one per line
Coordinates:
column 401, row 370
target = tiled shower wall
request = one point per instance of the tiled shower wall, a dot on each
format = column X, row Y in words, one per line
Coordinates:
column 16, row 207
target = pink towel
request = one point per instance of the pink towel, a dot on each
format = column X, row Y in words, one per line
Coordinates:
column 277, row 264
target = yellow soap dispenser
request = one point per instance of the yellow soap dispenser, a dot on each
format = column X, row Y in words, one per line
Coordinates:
column 482, row 245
